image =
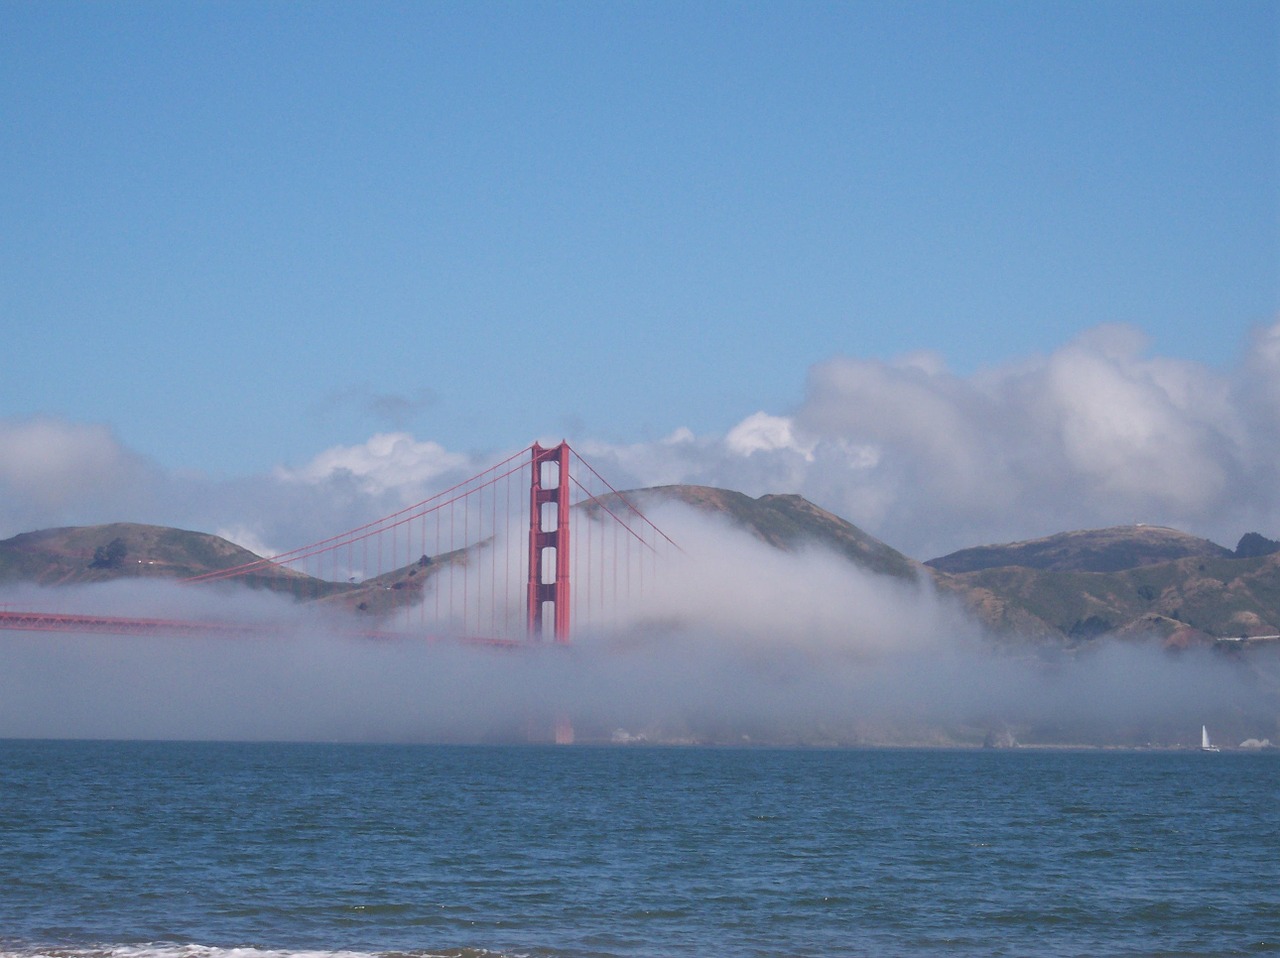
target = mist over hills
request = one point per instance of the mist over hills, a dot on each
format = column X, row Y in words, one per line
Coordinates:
column 1066, row 590
column 77, row 555
column 779, row 622
column 788, row 523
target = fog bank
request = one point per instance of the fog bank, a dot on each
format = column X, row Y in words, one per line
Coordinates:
column 735, row 643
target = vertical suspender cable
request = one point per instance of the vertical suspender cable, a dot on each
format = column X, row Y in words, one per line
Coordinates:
column 468, row 504
column 452, row 517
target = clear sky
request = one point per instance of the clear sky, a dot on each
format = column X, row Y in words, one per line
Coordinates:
column 240, row 234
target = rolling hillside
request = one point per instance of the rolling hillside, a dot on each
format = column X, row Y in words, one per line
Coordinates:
column 82, row 554
column 1097, row 550
column 787, row 522
column 1065, row 590
column 1123, row 580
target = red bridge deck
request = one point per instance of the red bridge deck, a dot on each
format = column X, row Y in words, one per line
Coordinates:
column 123, row 625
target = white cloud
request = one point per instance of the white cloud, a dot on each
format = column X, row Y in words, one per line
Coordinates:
column 1096, row 433
column 1134, row 433
column 1099, row 432
column 248, row 538
column 387, row 461
column 761, row 432
column 55, row 462
column 54, row 472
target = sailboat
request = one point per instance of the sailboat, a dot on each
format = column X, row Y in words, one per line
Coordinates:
column 1205, row 744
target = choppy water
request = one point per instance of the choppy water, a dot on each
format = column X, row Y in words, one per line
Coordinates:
column 230, row 851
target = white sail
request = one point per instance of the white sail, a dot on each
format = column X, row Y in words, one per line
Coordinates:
column 1205, row 744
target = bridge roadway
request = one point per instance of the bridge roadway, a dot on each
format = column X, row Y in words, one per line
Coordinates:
column 66, row 622
column 123, row 625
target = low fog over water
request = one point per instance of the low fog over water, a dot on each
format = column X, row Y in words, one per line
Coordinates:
column 737, row 643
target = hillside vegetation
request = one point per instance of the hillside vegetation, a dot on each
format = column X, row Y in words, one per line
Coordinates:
column 99, row 553
column 1066, row 590
column 82, row 554
column 787, row 522
column 1098, row 550
column 1124, row 580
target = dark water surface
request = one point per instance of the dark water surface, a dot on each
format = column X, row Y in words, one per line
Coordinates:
column 226, row 851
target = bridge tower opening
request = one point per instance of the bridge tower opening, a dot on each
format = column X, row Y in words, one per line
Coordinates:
column 548, row 594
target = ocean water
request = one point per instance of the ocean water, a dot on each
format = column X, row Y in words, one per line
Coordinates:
column 161, row 850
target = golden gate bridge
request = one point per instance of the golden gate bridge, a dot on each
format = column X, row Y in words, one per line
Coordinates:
column 533, row 547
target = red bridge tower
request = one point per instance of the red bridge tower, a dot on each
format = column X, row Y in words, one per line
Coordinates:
column 549, row 531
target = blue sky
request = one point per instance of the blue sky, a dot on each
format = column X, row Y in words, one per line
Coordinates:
column 961, row 273
column 239, row 234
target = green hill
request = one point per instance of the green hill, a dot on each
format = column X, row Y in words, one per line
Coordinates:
column 1093, row 550
column 786, row 522
column 1065, row 590
column 1122, row 580
column 124, row 550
